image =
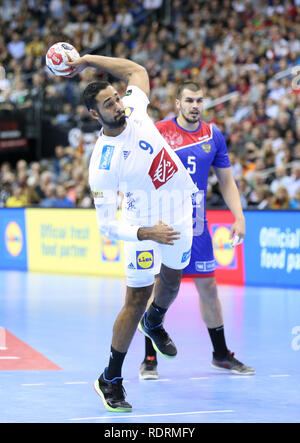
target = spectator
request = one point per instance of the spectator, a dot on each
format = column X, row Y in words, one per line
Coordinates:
column 16, row 46
column 244, row 189
column 62, row 201
column 295, row 201
column 281, row 199
column 235, row 48
column 282, row 179
column 31, row 193
column 5, row 193
column 124, row 18
column 18, row 199
column 294, row 184
column 49, row 201
column 82, row 199
column 264, row 197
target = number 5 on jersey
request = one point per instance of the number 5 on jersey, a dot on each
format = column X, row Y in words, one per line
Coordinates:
column 192, row 162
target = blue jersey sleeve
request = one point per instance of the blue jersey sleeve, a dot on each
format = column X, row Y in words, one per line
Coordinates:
column 221, row 159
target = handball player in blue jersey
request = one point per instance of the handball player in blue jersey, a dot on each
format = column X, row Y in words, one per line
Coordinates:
column 201, row 145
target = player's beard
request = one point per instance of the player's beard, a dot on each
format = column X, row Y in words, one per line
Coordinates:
column 118, row 122
column 190, row 118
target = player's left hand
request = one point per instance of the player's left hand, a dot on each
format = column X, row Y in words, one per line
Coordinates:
column 237, row 232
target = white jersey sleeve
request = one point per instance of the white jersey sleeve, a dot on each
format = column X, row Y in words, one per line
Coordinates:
column 136, row 100
column 112, row 228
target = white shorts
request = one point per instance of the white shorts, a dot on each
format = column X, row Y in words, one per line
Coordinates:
column 143, row 259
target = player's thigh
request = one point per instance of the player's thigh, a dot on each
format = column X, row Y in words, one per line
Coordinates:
column 142, row 263
column 177, row 256
column 202, row 261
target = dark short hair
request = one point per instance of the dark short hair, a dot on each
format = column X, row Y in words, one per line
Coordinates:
column 90, row 92
column 187, row 84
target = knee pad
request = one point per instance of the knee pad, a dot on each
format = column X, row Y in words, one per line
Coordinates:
column 172, row 280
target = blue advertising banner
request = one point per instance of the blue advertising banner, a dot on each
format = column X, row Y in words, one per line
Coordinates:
column 270, row 255
column 272, row 248
column 13, row 243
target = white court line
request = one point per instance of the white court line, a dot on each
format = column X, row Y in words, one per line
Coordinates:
column 159, row 379
column 241, row 376
column 76, row 382
column 153, row 415
column 9, row 358
column 33, row 384
column 199, row 378
column 280, row 375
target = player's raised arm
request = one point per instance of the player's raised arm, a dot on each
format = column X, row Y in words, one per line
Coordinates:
column 127, row 70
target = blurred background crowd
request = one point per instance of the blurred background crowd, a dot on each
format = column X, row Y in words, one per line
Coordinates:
column 242, row 52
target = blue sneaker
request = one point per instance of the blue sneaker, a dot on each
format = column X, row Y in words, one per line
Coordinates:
column 161, row 341
column 112, row 394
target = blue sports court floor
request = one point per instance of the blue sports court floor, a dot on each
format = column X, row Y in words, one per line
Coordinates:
column 69, row 319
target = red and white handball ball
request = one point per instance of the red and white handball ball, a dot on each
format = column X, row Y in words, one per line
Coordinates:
column 57, row 56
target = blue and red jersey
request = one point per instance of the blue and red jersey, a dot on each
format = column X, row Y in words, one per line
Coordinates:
column 198, row 151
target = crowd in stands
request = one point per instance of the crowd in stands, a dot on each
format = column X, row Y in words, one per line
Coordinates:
column 230, row 47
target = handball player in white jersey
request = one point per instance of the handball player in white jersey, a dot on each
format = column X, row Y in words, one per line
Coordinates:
column 131, row 157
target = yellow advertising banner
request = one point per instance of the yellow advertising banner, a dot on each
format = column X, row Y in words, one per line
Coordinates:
column 68, row 241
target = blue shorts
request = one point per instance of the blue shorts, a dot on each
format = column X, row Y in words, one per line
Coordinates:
column 202, row 262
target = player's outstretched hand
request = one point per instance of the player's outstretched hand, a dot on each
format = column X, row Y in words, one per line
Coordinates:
column 78, row 65
column 160, row 233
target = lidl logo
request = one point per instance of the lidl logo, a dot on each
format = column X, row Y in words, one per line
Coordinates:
column 14, row 239
column 144, row 259
column 110, row 250
column 223, row 251
column 128, row 111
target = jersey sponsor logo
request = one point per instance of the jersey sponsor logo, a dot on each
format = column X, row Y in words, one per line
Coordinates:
column 128, row 111
column 107, row 153
column 162, row 169
column 186, row 255
column 206, row 147
column 144, row 259
column 205, row 266
column 202, row 139
column 98, row 194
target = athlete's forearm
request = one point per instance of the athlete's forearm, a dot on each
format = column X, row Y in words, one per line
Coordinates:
column 119, row 230
column 111, row 227
column 118, row 67
column 231, row 196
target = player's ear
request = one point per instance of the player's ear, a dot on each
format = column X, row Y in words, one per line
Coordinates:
column 94, row 114
column 177, row 104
